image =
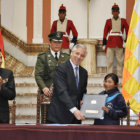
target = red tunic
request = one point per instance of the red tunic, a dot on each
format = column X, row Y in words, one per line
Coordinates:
column 70, row 27
column 114, row 41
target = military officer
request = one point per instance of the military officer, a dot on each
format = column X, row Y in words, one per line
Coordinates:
column 46, row 63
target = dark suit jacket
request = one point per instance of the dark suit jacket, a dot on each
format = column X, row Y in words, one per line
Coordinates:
column 66, row 95
column 7, row 92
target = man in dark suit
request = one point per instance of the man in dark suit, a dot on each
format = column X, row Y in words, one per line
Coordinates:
column 70, row 82
column 7, row 92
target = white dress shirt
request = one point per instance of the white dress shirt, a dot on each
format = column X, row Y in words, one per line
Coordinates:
column 53, row 53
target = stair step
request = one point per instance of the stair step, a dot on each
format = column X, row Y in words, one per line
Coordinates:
column 26, row 111
column 26, row 90
column 26, row 95
column 24, row 79
column 25, row 105
column 25, row 85
column 28, row 100
column 25, row 116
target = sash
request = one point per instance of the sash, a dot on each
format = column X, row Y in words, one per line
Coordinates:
column 108, row 99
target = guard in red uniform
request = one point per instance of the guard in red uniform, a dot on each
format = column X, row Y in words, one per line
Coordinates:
column 113, row 40
column 64, row 25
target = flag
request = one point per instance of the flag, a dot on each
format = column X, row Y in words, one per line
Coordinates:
column 2, row 51
column 131, row 70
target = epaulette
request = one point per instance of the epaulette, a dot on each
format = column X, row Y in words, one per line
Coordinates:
column 65, row 54
column 42, row 53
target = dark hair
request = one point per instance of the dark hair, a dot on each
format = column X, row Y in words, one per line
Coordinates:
column 113, row 76
column 62, row 11
column 117, row 9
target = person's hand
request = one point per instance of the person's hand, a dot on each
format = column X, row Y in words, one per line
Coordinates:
column 1, row 81
column 103, row 47
column 137, row 123
column 78, row 115
column 105, row 109
column 124, row 44
column 81, row 102
column 71, row 46
column 46, row 91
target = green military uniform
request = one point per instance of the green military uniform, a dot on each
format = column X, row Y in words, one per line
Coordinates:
column 45, row 67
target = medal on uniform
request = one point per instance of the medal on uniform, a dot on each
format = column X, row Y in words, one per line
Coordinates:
column 49, row 55
column 49, row 61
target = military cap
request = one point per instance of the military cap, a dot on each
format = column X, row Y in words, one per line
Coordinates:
column 62, row 9
column 115, row 7
column 56, row 36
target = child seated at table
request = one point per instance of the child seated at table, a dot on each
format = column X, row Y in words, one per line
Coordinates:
column 115, row 107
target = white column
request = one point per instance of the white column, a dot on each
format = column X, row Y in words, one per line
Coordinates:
column 37, row 30
column 19, row 19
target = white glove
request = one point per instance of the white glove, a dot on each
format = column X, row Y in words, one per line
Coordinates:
column 71, row 45
column 124, row 44
column 103, row 47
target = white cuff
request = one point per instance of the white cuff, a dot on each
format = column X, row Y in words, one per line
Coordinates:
column 124, row 44
column 104, row 47
column 73, row 109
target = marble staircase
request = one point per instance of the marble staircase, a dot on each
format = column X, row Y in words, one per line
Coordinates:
column 26, row 99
